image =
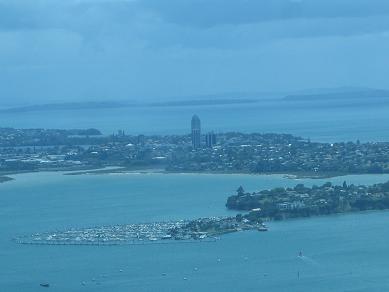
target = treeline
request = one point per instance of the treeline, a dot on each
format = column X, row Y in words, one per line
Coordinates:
column 300, row 201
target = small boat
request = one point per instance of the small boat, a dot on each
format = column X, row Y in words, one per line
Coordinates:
column 262, row 228
column 46, row 285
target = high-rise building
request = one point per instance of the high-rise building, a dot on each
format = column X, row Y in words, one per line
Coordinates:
column 141, row 140
column 196, row 132
column 210, row 139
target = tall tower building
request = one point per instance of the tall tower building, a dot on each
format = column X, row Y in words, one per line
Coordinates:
column 196, row 132
column 210, row 139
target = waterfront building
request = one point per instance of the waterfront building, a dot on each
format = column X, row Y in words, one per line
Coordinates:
column 210, row 139
column 196, row 132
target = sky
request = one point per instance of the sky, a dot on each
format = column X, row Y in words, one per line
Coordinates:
column 101, row 50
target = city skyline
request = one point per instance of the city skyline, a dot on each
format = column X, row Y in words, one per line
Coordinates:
column 210, row 137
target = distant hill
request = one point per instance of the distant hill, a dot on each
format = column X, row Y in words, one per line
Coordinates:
column 62, row 106
column 107, row 105
column 202, row 102
column 327, row 90
column 362, row 95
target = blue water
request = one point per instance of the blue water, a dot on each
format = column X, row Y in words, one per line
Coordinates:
column 320, row 123
column 341, row 253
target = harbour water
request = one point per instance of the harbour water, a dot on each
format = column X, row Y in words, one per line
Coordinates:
column 340, row 253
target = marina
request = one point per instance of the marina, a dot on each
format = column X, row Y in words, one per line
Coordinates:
column 105, row 235
column 199, row 230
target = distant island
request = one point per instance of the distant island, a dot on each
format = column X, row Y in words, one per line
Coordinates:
column 352, row 96
column 348, row 96
column 63, row 106
column 121, row 104
column 301, row 201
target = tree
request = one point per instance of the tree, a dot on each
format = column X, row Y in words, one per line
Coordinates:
column 385, row 186
column 240, row 191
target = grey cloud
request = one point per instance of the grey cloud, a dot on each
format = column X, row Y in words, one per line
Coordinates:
column 195, row 23
column 43, row 14
column 85, row 49
column 206, row 13
column 257, row 34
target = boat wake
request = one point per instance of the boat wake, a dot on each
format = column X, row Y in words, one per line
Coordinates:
column 308, row 260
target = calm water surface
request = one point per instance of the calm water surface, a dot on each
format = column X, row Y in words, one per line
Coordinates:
column 341, row 253
column 320, row 123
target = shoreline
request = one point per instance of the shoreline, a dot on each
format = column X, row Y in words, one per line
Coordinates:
column 5, row 175
column 4, row 179
column 124, row 170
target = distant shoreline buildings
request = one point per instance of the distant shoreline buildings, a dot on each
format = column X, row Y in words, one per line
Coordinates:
column 196, row 132
column 210, row 138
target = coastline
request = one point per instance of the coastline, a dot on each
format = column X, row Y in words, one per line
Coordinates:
column 282, row 203
column 148, row 170
column 70, row 171
column 4, row 179
column 5, row 175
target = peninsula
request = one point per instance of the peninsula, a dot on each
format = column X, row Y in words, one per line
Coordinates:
column 301, row 201
column 5, row 179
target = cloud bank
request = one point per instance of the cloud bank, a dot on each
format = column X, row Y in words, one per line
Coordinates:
column 53, row 50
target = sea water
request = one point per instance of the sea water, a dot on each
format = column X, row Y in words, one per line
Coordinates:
column 340, row 252
column 317, row 122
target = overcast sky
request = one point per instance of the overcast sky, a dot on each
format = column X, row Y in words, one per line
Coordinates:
column 63, row 50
